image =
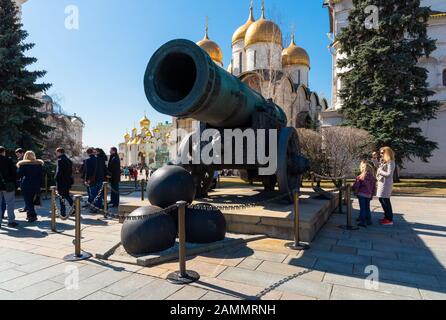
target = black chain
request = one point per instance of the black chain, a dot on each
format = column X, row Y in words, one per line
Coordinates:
column 281, row 282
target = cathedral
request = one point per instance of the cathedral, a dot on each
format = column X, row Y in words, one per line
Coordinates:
column 436, row 66
column 260, row 60
column 146, row 147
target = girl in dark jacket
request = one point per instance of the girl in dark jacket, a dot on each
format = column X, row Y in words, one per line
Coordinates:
column 30, row 172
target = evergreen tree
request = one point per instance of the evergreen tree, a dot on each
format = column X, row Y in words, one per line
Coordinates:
column 21, row 125
column 384, row 90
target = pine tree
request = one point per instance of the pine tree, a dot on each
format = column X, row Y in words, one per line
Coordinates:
column 21, row 125
column 384, row 90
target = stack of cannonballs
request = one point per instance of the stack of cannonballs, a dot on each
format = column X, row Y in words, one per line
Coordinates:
column 151, row 229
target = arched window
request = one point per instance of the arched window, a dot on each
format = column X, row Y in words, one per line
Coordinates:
column 444, row 77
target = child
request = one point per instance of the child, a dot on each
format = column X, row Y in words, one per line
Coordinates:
column 364, row 187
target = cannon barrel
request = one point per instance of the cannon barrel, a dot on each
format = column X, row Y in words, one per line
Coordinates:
column 181, row 80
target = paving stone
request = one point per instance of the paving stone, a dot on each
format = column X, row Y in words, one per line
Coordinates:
column 216, row 296
column 250, row 264
column 102, row 296
column 88, row 286
column 340, row 257
column 420, row 280
column 331, row 266
column 288, row 270
column 237, row 289
column 268, row 256
column 85, row 272
column 36, row 291
column 188, row 293
column 433, row 295
column 360, row 283
column 345, row 250
column 424, row 258
column 308, row 288
column 359, row 244
column 347, row 293
column 128, row 285
column 153, row 271
column 204, row 268
column 378, row 254
column 408, row 266
column 295, row 297
column 39, row 264
column 5, row 265
column 256, row 278
column 155, row 290
column 304, row 261
column 10, row 274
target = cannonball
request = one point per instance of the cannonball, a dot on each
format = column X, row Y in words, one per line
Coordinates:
column 169, row 185
column 205, row 225
column 147, row 231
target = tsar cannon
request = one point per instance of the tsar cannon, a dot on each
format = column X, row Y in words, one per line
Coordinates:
column 182, row 81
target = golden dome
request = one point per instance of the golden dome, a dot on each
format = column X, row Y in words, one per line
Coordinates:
column 263, row 30
column 240, row 33
column 127, row 136
column 134, row 130
column 144, row 122
column 294, row 55
column 134, row 141
column 212, row 49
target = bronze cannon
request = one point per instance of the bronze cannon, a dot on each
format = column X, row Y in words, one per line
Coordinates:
column 182, row 81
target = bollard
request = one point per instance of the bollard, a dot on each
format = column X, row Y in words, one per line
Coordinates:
column 297, row 245
column 78, row 253
column 182, row 276
column 105, row 199
column 143, row 189
column 53, row 209
column 46, row 187
column 348, row 194
column 341, row 192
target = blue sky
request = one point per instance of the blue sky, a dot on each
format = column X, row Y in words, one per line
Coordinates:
column 97, row 71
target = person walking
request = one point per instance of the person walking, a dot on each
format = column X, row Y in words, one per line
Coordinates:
column 385, row 184
column 114, row 175
column 7, row 187
column 30, row 172
column 64, row 180
column 365, row 187
column 90, row 174
column 19, row 153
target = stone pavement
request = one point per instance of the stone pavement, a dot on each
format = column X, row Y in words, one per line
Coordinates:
column 410, row 258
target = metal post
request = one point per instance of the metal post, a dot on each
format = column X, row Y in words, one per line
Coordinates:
column 182, row 276
column 341, row 202
column 46, row 187
column 78, row 253
column 143, row 185
column 297, row 245
column 53, row 209
column 105, row 199
column 348, row 194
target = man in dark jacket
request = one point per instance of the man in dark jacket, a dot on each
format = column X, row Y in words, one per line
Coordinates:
column 90, row 177
column 7, row 186
column 114, row 175
column 64, row 179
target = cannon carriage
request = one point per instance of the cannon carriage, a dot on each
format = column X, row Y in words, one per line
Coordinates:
column 182, row 81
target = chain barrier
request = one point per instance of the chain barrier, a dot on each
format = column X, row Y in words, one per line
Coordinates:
column 145, row 216
column 63, row 203
column 281, row 282
column 129, row 192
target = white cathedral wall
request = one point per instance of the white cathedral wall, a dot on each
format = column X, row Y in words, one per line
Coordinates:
column 238, row 51
column 267, row 56
column 293, row 72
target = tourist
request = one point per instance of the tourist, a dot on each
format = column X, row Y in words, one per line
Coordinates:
column 385, row 183
column 90, row 169
column 114, row 171
column 364, row 187
column 126, row 173
column 64, row 180
column 30, row 172
column 19, row 153
column 7, row 187
column 101, row 174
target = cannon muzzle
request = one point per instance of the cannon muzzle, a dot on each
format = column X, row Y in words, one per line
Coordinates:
column 182, row 81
